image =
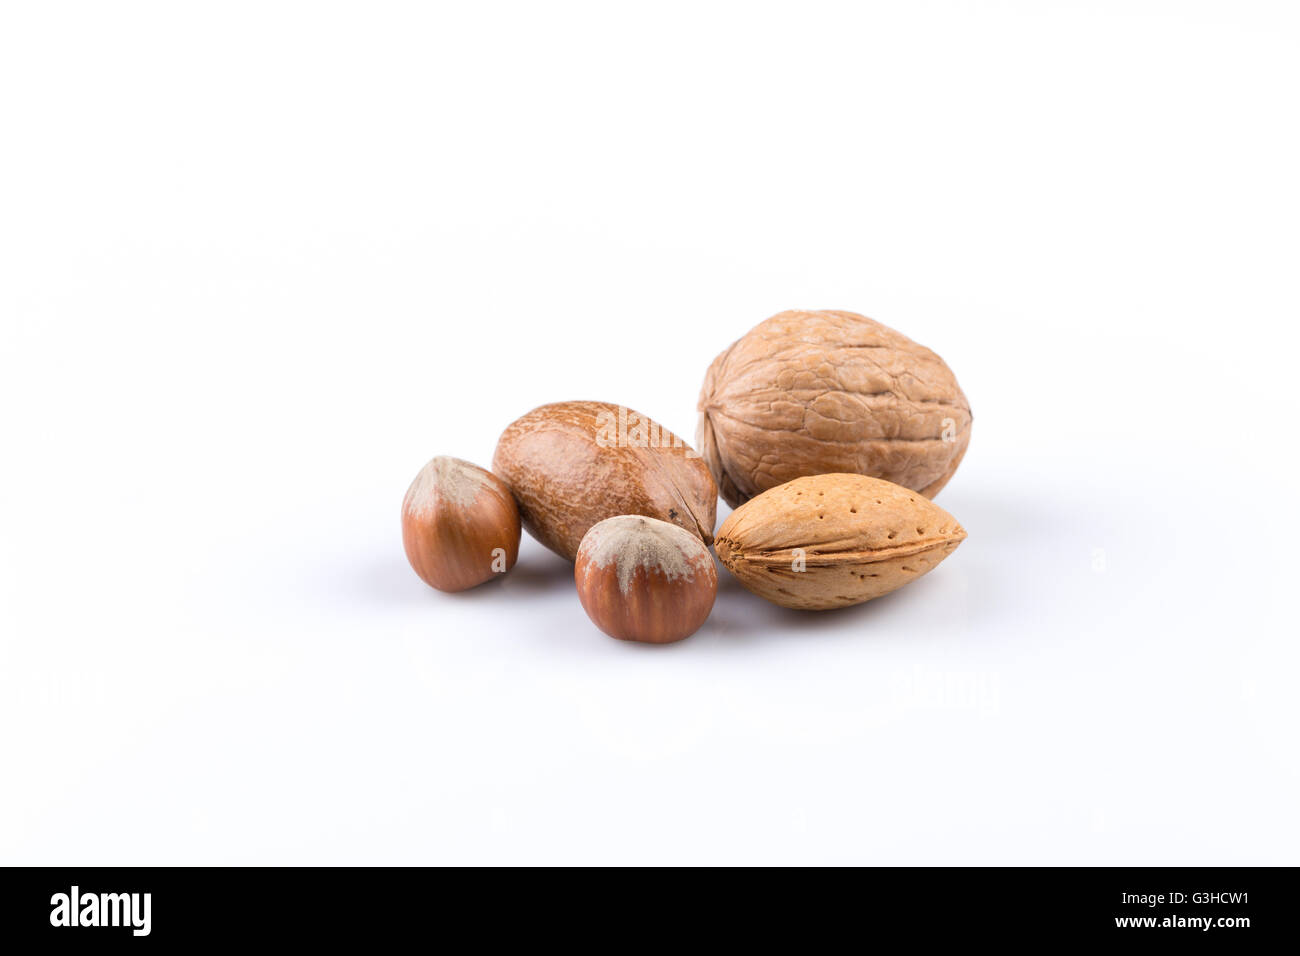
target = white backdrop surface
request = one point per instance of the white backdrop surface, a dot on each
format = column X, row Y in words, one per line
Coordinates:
column 259, row 262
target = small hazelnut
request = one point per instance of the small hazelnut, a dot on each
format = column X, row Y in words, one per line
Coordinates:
column 460, row 525
column 642, row 579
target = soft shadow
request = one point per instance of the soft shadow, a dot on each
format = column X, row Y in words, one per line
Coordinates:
column 386, row 581
column 532, row 575
column 391, row 581
column 742, row 619
column 536, row 573
column 1021, row 514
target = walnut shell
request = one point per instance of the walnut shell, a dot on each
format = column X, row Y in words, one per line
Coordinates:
column 572, row 464
column 829, row 541
column 810, row 393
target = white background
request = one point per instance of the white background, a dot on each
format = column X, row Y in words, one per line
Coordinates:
column 259, row 262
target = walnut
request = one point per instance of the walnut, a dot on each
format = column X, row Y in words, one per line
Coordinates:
column 811, row 393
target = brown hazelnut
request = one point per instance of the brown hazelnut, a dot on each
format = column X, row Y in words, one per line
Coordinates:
column 642, row 579
column 460, row 525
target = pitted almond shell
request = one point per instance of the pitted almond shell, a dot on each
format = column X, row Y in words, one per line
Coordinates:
column 830, row 541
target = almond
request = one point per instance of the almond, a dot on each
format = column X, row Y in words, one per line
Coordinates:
column 572, row 464
column 810, row 393
column 829, row 541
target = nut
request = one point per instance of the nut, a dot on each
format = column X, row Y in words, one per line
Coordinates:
column 810, row 393
column 460, row 525
column 641, row 579
column 573, row 464
column 833, row 540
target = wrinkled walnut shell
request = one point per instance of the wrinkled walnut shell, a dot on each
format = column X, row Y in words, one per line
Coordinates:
column 811, row 393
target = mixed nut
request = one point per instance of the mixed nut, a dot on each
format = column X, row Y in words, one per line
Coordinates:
column 826, row 431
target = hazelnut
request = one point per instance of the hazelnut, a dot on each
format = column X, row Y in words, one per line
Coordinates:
column 460, row 525
column 642, row 579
